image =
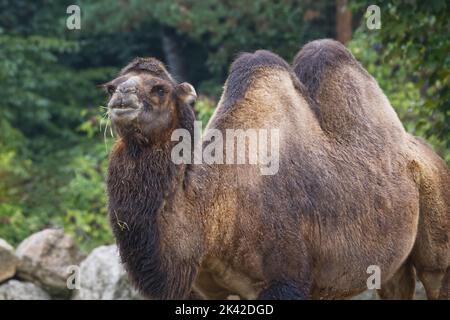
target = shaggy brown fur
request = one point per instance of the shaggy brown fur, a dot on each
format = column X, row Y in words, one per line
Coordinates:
column 348, row 100
column 336, row 206
column 142, row 181
column 431, row 254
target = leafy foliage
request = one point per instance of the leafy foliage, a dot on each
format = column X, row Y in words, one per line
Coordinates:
column 211, row 32
column 44, row 101
column 204, row 108
column 410, row 57
column 84, row 197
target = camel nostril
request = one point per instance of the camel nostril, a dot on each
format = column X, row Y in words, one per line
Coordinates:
column 115, row 102
column 127, row 90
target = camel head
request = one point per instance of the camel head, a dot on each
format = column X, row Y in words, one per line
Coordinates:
column 145, row 103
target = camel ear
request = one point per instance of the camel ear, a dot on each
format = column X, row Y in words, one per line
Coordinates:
column 186, row 92
column 104, row 85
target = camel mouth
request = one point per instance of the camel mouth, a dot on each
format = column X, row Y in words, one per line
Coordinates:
column 123, row 110
column 123, row 115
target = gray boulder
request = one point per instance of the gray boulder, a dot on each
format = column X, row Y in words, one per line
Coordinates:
column 8, row 261
column 45, row 258
column 16, row 290
column 102, row 277
column 420, row 292
column 367, row 295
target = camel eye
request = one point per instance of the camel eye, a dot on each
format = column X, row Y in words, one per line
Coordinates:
column 159, row 90
column 111, row 89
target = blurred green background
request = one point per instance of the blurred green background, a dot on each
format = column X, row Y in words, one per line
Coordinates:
column 54, row 139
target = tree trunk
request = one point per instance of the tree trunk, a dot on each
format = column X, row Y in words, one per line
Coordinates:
column 173, row 55
column 343, row 21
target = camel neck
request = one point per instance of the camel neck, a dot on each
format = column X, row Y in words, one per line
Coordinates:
column 156, row 238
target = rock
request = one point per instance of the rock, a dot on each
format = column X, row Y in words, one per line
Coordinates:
column 367, row 295
column 103, row 277
column 420, row 293
column 45, row 259
column 16, row 290
column 8, row 261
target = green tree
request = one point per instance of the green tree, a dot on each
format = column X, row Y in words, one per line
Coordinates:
column 211, row 33
column 410, row 57
column 45, row 102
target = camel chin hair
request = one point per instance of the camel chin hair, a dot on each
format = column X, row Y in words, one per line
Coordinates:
column 353, row 189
